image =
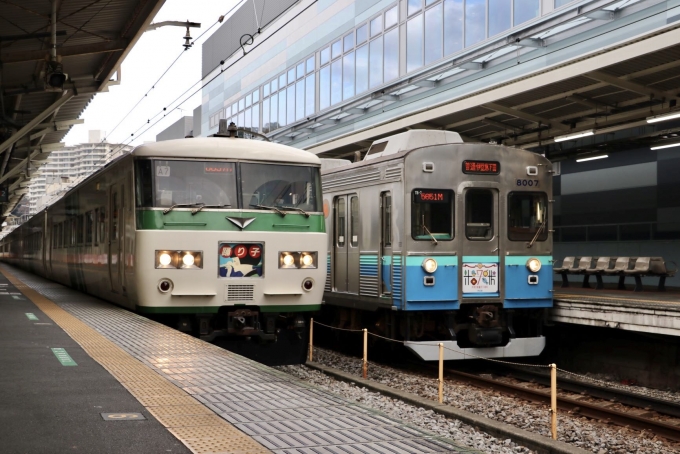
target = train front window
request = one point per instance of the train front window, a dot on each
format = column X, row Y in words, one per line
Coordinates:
column 527, row 214
column 432, row 214
column 280, row 186
column 209, row 183
column 479, row 214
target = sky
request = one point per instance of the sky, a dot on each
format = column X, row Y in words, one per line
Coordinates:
column 151, row 56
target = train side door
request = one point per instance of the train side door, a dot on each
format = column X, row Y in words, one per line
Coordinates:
column 116, row 198
column 480, row 265
column 346, row 244
column 385, row 243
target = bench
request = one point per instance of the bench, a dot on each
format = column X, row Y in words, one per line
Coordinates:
column 622, row 264
column 567, row 264
column 650, row 266
column 603, row 264
column 584, row 264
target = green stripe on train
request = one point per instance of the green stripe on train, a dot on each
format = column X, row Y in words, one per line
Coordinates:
column 217, row 220
column 214, row 309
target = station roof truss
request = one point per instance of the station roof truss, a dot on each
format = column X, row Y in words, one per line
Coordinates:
column 92, row 38
column 609, row 91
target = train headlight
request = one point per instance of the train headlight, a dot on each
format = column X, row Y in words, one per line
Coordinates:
column 191, row 260
column 166, row 259
column 188, row 260
column 287, row 260
column 179, row 259
column 430, row 265
column 534, row 265
column 308, row 260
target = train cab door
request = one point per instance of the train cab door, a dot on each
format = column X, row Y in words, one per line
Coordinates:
column 385, row 244
column 481, row 242
column 346, row 244
column 116, row 200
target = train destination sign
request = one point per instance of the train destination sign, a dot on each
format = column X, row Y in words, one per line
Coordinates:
column 431, row 196
column 218, row 168
column 482, row 167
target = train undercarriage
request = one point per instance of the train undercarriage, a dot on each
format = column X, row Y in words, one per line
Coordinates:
column 478, row 327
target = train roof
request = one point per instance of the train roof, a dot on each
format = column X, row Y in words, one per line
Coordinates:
column 226, row 148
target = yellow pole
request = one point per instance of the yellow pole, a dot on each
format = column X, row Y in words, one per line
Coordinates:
column 553, row 400
column 365, row 366
column 441, row 373
column 311, row 338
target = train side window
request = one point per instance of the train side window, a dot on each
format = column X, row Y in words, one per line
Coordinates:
column 527, row 214
column 95, row 226
column 340, row 211
column 114, row 216
column 102, row 225
column 432, row 214
column 387, row 219
column 143, row 183
column 479, row 214
column 354, row 221
column 88, row 227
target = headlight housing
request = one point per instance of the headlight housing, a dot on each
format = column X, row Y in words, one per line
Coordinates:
column 534, row 265
column 430, row 265
column 184, row 260
column 296, row 260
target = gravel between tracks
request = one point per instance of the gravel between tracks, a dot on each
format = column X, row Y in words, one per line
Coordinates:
column 579, row 431
column 461, row 434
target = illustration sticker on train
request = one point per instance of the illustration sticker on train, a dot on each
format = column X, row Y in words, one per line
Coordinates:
column 221, row 234
column 435, row 240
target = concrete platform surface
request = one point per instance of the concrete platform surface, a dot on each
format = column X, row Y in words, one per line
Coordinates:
column 210, row 399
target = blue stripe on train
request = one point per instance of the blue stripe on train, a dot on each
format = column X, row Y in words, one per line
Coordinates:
column 519, row 294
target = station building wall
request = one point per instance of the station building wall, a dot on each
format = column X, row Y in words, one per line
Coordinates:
column 314, row 55
column 625, row 205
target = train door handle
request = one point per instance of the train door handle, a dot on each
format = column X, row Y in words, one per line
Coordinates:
column 495, row 250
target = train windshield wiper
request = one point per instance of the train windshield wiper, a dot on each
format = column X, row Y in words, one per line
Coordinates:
column 538, row 233
column 296, row 209
column 434, row 240
column 203, row 205
column 265, row 207
column 167, row 210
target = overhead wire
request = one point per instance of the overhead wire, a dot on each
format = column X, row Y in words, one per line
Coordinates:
column 129, row 139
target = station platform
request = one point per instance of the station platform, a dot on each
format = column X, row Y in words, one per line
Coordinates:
column 82, row 375
column 650, row 311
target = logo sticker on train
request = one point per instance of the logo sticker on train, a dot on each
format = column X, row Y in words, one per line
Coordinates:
column 240, row 260
column 480, row 278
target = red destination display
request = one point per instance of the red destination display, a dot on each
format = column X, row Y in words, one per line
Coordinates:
column 218, row 168
column 431, row 196
column 482, row 167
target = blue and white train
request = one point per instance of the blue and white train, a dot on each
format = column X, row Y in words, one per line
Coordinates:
column 435, row 240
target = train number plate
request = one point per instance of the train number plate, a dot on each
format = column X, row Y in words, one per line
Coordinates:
column 241, row 260
column 480, row 277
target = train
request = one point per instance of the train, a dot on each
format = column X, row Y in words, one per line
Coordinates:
column 433, row 240
column 220, row 236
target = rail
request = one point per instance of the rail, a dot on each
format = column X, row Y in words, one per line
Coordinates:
column 639, row 420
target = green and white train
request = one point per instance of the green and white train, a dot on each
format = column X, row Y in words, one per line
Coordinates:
column 221, row 233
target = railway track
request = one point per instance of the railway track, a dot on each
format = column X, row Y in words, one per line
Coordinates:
column 606, row 405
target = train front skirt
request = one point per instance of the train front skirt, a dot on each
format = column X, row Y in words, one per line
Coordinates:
column 518, row 347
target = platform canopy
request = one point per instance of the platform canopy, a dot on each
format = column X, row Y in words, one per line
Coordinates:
column 584, row 79
column 51, row 69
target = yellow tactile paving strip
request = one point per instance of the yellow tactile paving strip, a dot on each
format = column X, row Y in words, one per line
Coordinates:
column 195, row 425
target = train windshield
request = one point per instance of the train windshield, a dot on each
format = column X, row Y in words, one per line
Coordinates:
column 432, row 214
column 186, row 183
column 527, row 216
column 280, row 186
